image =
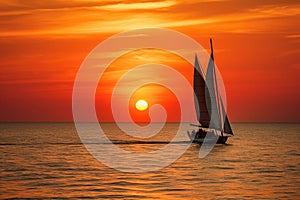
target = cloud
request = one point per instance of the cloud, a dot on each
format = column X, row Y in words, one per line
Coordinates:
column 138, row 6
column 90, row 17
column 293, row 36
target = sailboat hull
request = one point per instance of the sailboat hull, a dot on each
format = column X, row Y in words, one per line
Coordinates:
column 221, row 140
column 200, row 136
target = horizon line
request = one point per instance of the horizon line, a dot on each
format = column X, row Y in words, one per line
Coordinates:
column 140, row 122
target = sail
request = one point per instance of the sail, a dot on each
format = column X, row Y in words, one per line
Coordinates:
column 227, row 128
column 200, row 100
column 211, row 95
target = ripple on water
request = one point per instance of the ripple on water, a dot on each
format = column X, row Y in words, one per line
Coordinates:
column 48, row 161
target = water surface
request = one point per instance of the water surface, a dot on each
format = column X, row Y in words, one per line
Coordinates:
column 48, row 160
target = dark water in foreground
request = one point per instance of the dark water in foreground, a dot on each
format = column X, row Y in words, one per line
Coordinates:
column 47, row 160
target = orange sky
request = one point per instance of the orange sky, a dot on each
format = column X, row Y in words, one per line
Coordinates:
column 42, row 44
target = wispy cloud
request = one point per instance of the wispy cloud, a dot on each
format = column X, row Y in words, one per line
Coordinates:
column 293, row 36
column 88, row 17
column 138, row 6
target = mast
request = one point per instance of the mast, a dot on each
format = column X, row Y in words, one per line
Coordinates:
column 217, row 88
column 211, row 95
column 211, row 49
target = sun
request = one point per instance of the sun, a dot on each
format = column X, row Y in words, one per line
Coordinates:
column 141, row 105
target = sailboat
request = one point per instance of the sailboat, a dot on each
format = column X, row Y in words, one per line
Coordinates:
column 211, row 116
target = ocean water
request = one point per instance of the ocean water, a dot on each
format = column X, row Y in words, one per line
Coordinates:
column 48, row 160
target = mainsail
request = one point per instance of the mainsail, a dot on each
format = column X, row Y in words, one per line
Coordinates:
column 200, row 101
column 211, row 95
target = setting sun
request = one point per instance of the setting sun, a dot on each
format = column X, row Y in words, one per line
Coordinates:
column 141, row 105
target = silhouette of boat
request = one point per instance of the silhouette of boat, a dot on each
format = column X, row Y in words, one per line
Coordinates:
column 211, row 116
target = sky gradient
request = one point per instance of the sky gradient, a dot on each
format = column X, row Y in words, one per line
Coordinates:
column 43, row 43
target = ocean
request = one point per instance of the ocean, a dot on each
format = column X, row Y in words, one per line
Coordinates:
column 48, row 160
